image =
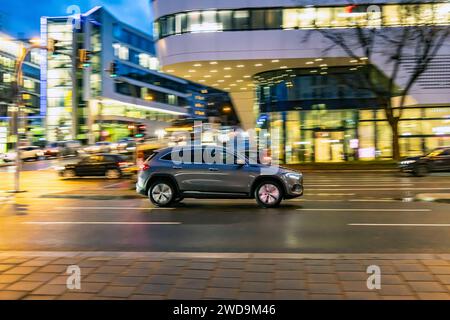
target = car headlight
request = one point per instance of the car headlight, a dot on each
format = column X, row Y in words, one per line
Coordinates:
column 292, row 175
column 407, row 162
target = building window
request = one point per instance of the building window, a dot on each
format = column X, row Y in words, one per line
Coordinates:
column 225, row 20
column 241, row 19
column 193, row 21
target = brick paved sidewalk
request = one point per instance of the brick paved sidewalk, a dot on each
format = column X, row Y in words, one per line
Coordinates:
column 42, row 275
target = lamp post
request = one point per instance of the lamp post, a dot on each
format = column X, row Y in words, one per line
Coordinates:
column 17, row 110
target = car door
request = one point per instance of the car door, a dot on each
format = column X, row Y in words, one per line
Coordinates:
column 234, row 173
column 189, row 171
column 439, row 160
column 446, row 160
column 222, row 173
column 88, row 166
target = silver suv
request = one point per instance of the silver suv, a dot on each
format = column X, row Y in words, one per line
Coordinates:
column 172, row 174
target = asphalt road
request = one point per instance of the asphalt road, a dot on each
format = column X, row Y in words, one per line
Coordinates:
column 352, row 212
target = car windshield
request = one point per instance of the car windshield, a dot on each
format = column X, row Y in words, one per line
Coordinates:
column 435, row 153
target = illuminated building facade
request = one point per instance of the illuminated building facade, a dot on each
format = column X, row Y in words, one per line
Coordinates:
column 257, row 50
column 32, row 118
column 103, row 80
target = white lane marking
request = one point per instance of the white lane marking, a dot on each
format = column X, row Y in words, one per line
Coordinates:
column 400, row 224
column 345, row 200
column 110, row 208
column 366, row 209
column 329, row 194
column 359, row 185
column 378, row 189
column 99, row 223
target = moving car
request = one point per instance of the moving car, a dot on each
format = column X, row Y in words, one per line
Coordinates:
column 99, row 147
column 26, row 153
column 62, row 149
column 166, row 180
column 111, row 166
column 436, row 160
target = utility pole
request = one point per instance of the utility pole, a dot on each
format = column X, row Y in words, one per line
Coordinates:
column 18, row 108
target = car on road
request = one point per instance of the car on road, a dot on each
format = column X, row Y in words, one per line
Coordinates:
column 167, row 180
column 436, row 160
column 111, row 166
column 26, row 153
column 100, row 147
column 62, row 149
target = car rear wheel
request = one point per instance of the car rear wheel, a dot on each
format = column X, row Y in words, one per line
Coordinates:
column 421, row 171
column 69, row 173
column 112, row 174
column 161, row 193
column 268, row 194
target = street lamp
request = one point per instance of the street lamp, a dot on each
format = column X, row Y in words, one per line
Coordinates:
column 35, row 44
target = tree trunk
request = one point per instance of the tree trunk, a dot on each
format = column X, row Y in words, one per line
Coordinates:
column 395, row 140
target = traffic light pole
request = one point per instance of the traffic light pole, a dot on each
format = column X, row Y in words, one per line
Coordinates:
column 17, row 112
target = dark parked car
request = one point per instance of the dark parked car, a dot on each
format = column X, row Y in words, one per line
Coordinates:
column 112, row 166
column 165, row 179
column 436, row 160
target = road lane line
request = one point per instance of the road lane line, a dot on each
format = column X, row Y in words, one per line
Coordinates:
column 400, row 224
column 344, row 200
column 377, row 189
column 359, row 185
column 99, row 223
column 111, row 208
column 329, row 194
column 366, row 209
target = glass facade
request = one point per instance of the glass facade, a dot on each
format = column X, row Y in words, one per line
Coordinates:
column 60, row 100
column 321, row 119
column 9, row 51
column 387, row 15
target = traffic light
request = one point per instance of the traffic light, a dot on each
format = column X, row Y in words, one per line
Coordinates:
column 84, row 58
column 113, row 69
column 141, row 130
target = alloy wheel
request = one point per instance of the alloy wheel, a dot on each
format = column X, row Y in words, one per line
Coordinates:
column 162, row 193
column 268, row 193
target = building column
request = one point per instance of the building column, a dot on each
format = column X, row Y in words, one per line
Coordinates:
column 243, row 104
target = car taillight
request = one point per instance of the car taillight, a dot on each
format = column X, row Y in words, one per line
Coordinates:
column 144, row 167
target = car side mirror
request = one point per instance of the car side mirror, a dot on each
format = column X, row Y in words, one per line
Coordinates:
column 240, row 162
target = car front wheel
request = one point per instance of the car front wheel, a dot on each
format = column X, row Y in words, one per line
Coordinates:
column 69, row 173
column 112, row 174
column 421, row 171
column 268, row 194
column 161, row 193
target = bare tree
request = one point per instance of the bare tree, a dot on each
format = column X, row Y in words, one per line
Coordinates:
column 406, row 51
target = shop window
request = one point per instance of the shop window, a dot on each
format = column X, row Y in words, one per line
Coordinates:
column 324, row 17
column 306, row 17
column 290, row 19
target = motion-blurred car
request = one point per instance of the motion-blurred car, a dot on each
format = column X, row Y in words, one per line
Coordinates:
column 166, row 180
column 62, row 149
column 111, row 166
column 99, row 147
column 436, row 160
column 26, row 153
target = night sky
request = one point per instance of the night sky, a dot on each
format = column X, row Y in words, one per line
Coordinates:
column 22, row 16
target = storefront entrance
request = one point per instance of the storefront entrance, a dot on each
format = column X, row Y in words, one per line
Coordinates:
column 329, row 146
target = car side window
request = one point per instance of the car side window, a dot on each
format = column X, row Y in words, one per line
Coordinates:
column 95, row 159
column 167, row 157
column 446, row 152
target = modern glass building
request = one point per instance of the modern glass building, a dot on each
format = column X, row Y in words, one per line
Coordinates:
column 279, row 78
column 31, row 117
column 104, row 79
